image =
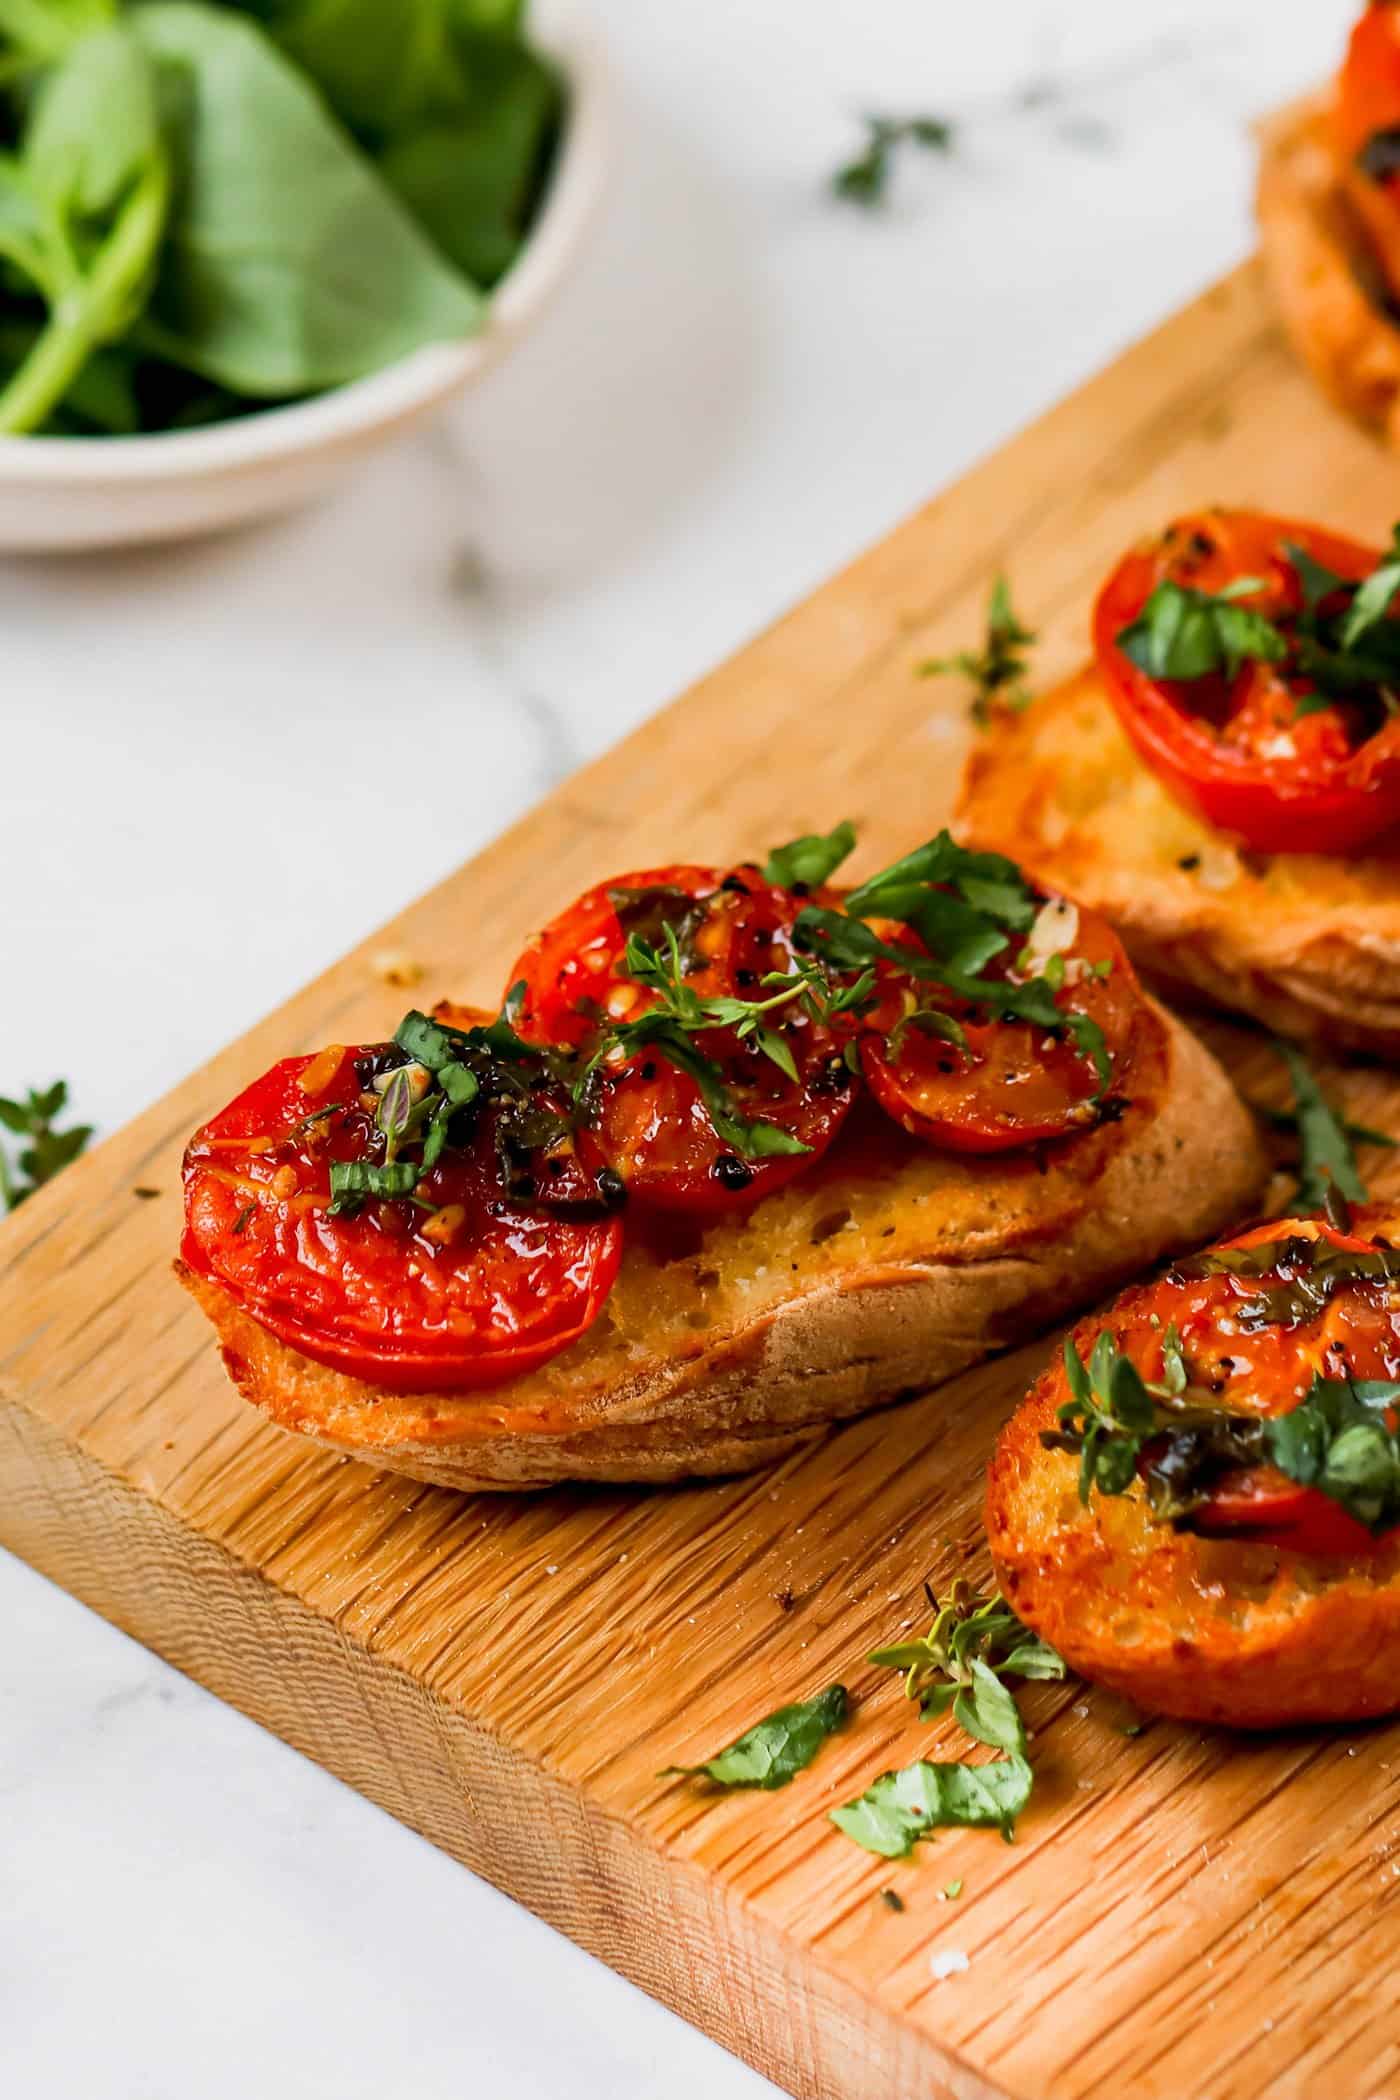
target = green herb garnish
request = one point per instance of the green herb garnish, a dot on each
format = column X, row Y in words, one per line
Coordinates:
column 678, row 1014
column 998, row 668
column 1185, row 633
column 966, row 1628
column 903, row 1807
column 44, row 1151
column 808, row 861
column 1325, row 1139
column 966, row 909
column 775, row 1749
column 973, row 1643
column 1337, row 1439
column 865, row 179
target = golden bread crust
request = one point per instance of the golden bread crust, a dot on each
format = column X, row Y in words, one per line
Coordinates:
column 1321, row 266
column 1248, row 1636
column 885, row 1270
column 1308, row 943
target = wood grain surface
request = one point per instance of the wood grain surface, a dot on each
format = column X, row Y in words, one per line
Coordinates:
column 1182, row 1913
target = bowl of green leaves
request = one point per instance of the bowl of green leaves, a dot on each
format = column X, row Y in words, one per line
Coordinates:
column 242, row 244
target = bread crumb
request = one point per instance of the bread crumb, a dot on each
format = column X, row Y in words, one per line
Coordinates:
column 952, row 1962
column 396, row 966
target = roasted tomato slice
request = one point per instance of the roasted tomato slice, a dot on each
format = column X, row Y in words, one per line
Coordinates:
column 466, row 1284
column 1259, row 1319
column 1262, row 755
column 1366, row 131
column 1008, row 1083
column 651, row 1118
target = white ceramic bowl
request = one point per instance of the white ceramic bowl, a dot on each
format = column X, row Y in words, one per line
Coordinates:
column 110, row 492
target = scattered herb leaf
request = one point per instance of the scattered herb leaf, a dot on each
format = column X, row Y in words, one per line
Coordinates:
column 44, row 1151
column 865, row 180
column 998, row 668
column 775, row 1749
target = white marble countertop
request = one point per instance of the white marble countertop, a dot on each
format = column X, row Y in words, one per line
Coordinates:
column 744, row 382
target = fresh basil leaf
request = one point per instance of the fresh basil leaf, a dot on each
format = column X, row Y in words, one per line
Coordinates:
column 1373, row 597
column 1183, row 633
column 903, row 1807
column 1316, row 581
column 257, row 296
column 354, row 1179
column 986, row 1710
column 810, row 860
column 988, row 881
column 775, row 1749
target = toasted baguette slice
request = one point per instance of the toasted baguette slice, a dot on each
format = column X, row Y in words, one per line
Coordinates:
column 1308, row 943
column 1205, row 1629
column 1326, row 282
column 886, row 1269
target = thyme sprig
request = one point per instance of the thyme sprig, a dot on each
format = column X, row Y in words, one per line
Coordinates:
column 998, row 669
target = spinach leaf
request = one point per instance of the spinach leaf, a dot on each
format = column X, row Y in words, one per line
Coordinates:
column 776, row 1749
column 82, row 212
column 379, row 66
column 260, row 297
column 473, row 180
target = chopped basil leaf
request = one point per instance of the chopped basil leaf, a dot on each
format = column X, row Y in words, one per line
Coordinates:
column 810, row 860
column 1327, row 1160
column 901, row 1808
column 354, row 1179
column 775, row 1749
column 1373, row 596
column 1186, row 633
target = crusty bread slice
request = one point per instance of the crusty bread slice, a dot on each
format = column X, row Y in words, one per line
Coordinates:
column 1326, row 282
column 1206, row 1629
column 884, row 1270
column 1308, row 943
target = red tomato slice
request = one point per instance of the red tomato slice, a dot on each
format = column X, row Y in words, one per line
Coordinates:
column 1012, row 1084
column 1266, row 1370
column 1367, row 102
column 651, row 1121
column 476, row 1290
column 1236, row 751
column 1263, row 1507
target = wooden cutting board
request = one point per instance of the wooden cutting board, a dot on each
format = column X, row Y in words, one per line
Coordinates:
column 1181, row 1913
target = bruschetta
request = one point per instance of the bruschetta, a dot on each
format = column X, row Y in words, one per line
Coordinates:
column 1328, row 202
column 740, row 1155
column 1199, row 1505
column 1222, row 782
